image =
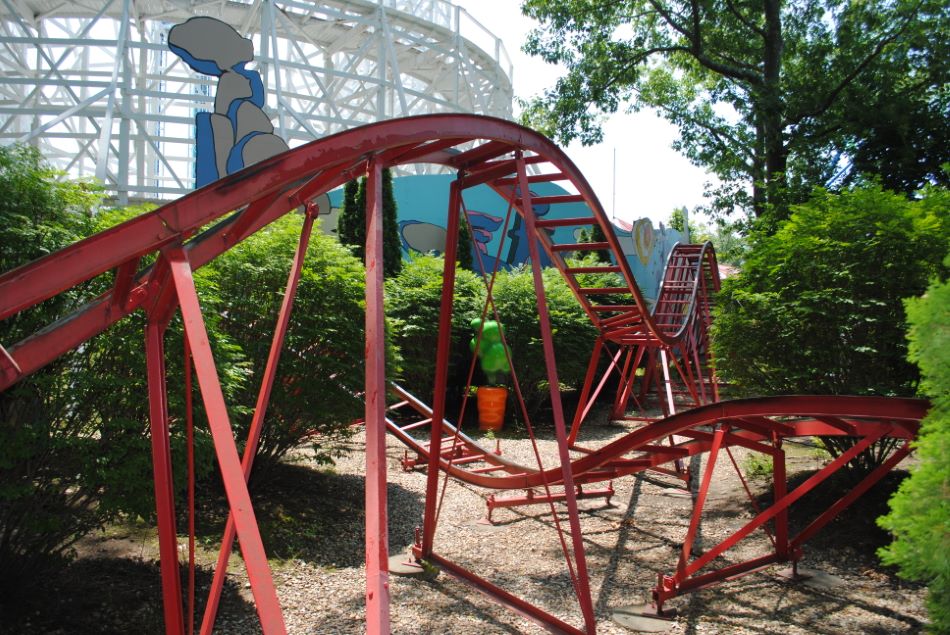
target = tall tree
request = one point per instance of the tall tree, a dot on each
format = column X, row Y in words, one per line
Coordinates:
column 351, row 227
column 352, row 224
column 392, row 245
column 772, row 97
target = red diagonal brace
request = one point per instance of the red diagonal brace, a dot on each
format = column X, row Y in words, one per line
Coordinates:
column 257, row 422
column 239, row 500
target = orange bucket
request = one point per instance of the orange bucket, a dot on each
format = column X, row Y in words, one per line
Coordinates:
column 491, row 407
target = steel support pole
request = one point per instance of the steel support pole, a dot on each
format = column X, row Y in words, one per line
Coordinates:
column 583, row 583
column 583, row 407
column 780, row 490
column 443, row 351
column 780, row 505
column 239, row 500
column 377, row 548
column 257, row 422
column 162, row 473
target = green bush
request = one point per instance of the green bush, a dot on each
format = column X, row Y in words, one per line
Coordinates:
column 110, row 392
column 351, row 227
column 920, row 510
column 413, row 300
column 817, row 307
column 321, row 371
column 48, row 452
column 572, row 332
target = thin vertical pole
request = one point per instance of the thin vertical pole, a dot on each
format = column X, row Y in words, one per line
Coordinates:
column 260, row 409
column 162, row 473
column 377, row 548
column 582, row 405
column 667, row 381
column 441, row 370
column 190, row 441
column 583, row 584
column 780, row 489
column 239, row 500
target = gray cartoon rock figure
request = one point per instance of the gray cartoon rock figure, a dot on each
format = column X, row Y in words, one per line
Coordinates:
column 237, row 133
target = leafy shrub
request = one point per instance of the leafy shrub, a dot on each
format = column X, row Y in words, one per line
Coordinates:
column 817, row 307
column 758, row 466
column 321, row 371
column 571, row 329
column 110, row 391
column 48, row 454
column 352, row 223
column 920, row 510
column 413, row 300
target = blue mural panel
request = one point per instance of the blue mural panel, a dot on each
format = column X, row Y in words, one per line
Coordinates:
column 422, row 202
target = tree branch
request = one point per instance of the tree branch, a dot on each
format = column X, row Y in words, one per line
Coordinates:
column 724, row 141
column 734, row 10
column 663, row 11
column 850, row 77
column 699, row 54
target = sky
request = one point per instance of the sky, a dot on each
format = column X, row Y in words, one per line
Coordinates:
column 652, row 178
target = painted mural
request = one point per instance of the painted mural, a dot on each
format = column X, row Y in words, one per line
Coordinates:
column 423, row 199
column 237, row 133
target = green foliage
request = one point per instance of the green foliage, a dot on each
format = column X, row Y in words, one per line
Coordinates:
column 465, row 245
column 772, row 97
column 597, row 236
column 817, row 307
column 321, row 367
column 48, row 453
column 920, row 510
column 412, row 304
column 392, row 246
column 112, row 391
column 572, row 331
column 727, row 239
column 351, row 226
column 680, row 220
column 758, row 466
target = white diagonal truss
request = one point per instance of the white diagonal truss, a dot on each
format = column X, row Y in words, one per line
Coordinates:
column 93, row 84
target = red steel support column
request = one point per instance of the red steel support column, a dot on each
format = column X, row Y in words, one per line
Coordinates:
column 780, row 490
column 239, row 500
column 544, row 320
column 257, row 423
column 377, row 548
column 441, row 369
column 162, row 471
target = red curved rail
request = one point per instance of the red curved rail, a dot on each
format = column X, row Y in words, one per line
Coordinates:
column 186, row 234
column 242, row 203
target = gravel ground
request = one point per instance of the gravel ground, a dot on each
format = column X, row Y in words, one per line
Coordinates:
column 627, row 545
column 312, row 525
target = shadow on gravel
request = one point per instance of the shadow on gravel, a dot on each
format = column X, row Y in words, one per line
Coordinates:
column 106, row 595
column 317, row 516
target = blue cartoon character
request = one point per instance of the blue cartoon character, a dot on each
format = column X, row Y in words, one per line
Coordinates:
column 237, row 133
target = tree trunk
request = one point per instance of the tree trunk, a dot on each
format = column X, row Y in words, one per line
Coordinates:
column 773, row 115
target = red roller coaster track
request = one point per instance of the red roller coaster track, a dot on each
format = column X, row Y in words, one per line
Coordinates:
column 668, row 344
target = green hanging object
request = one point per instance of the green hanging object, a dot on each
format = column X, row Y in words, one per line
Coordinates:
column 492, row 352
